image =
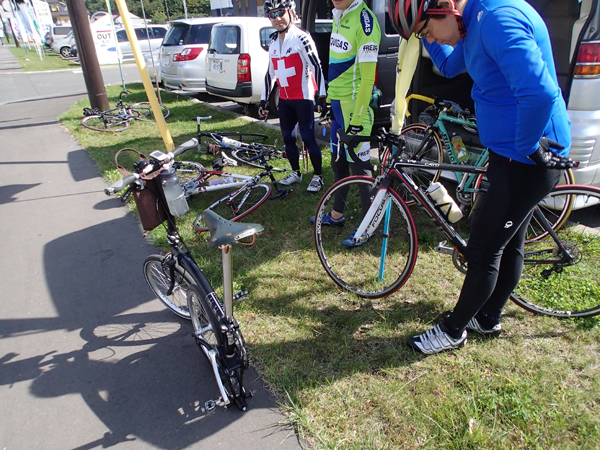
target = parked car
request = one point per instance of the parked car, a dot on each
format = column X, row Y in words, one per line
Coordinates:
column 153, row 64
column 63, row 45
column 182, row 55
column 156, row 33
column 58, row 32
column 573, row 26
column 237, row 58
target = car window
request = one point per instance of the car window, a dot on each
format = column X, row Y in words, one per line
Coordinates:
column 225, row 40
column 200, row 34
column 176, row 34
column 122, row 36
column 265, row 37
column 157, row 32
column 140, row 33
column 62, row 31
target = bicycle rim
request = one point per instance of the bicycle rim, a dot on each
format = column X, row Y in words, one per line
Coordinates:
column 157, row 275
column 248, row 156
column 430, row 151
column 206, row 324
column 189, row 174
column 568, row 290
column 238, row 204
column 108, row 124
column 143, row 111
column 555, row 217
column 360, row 269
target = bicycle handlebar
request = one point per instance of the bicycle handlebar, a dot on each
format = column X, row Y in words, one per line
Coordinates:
column 154, row 165
column 352, row 140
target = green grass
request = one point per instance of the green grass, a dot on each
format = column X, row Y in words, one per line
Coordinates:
column 340, row 365
column 31, row 62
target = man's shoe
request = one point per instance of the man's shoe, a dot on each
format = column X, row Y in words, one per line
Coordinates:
column 436, row 340
column 351, row 242
column 330, row 221
column 292, row 178
column 474, row 325
column 315, row 184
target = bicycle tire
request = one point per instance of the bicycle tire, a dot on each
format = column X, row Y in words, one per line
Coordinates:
column 248, row 156
column 205, row 322
column 535, row 230
column 237, row 204
column 143, row 111
column 358, row 269
column 104, row 123
column 573, row 290
column 247, row 138
column 158, row 278
column 414, row 136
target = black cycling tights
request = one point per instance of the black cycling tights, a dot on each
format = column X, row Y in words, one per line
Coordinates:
column 301, row 112
column 495, row 250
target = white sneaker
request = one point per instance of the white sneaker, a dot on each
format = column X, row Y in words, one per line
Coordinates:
column 315, row 184
column 436, row 340
column 292, row 178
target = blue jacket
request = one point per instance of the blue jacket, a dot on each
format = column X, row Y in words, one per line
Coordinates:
column 508, row 54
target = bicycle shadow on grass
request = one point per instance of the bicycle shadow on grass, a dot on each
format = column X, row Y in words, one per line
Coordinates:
column 138, row 369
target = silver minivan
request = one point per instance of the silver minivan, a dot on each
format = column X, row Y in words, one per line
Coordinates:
column 238, row 58
column 183, row 51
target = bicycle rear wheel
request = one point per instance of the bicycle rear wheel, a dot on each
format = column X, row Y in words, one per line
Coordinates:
column 98, row 122
column 565, row 289
column 157, row 274
column 143, row 111
column 385, row 261
column 421, row 145
column 238, row 204
column 269, row 154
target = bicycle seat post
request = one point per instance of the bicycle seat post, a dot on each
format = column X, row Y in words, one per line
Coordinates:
column 227, row 279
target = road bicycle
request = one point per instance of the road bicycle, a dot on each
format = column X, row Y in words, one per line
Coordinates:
column 118, row 118
column 431, row 141
column 560, row 277
column 181, row 285
column 243, row 147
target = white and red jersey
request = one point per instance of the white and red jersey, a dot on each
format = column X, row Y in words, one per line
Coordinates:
column 296, row 66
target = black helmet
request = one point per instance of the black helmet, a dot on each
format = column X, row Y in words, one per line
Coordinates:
column 270, row 5
column 406, row 14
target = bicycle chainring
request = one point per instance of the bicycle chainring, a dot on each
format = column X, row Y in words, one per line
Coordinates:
column 459, row 261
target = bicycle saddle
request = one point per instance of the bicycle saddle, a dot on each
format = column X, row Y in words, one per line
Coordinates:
column 223, row 231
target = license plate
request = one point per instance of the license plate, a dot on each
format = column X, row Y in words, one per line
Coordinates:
column 216, row 66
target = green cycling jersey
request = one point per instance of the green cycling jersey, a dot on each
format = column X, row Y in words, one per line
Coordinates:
column 353, row 51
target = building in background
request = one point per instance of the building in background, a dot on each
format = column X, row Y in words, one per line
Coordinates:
column 59, row 11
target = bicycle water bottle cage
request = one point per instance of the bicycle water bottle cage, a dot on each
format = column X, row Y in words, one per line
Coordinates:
column 223, row 232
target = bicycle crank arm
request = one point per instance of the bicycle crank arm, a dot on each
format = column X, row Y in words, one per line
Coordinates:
column 444, row 249
column 212, row 357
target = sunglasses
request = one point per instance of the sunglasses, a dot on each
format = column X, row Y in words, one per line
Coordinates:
column 419, row 34
column 275, row 14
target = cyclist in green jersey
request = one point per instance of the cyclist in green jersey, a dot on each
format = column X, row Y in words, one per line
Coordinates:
column 353, row 51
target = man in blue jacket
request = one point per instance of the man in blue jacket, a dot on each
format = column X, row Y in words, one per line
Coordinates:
column 521, row 117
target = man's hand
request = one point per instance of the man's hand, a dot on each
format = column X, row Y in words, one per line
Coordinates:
column 543, row 157
column 354, row 129
column 263, row 110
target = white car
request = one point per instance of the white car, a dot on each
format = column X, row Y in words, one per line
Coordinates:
column 152, row 60
column 63, row 45
column 157, row 33
column 237, row 58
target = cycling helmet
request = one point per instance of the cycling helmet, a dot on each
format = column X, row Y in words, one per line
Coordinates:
column 270, row 5
column 406, row 14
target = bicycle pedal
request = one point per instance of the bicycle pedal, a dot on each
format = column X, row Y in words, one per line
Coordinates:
column 209, row 406
column 444, row 249
column 239, row 295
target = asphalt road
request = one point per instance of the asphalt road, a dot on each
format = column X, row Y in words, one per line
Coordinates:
column 88, row 357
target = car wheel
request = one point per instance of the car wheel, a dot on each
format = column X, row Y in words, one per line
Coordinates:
column 274, row 101
column 65, row 51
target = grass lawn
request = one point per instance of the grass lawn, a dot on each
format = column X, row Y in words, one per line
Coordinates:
column 31, row 62
column 340, row 364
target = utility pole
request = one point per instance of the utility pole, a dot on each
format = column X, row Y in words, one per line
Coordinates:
column 92, row 75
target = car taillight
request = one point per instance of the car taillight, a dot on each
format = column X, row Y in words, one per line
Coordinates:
column 588, row 60
column 243, row 68
column 187, row 55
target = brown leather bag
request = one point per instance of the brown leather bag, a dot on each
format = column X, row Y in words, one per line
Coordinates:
column 150, row 210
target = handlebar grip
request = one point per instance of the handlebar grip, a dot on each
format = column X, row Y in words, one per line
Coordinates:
column 185, row 147
column 120, row 184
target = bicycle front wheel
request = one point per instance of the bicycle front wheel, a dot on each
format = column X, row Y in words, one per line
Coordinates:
column 99, row 122
column 143, row 111
column 238, row 204
column 551, row 285
column 382, row 264
column 250, row 156
column 157, row 274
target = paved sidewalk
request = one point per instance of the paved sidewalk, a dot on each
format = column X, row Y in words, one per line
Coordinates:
column 88, row 357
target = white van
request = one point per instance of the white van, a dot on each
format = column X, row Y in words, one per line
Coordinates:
column 157, row 33
column 237, row 58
